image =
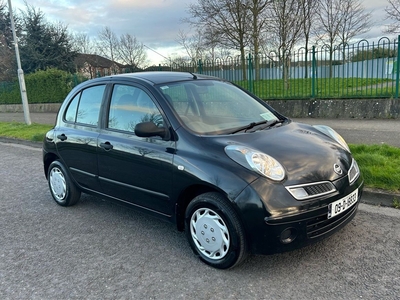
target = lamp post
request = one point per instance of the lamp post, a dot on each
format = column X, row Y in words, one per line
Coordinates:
column 21, row 78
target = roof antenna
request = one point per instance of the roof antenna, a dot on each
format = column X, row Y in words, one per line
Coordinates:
column 194, row 76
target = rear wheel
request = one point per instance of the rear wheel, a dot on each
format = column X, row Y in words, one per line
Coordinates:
column 214, row 231
column 62, row 188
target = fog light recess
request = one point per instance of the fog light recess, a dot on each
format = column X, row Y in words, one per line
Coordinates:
column 288, row 235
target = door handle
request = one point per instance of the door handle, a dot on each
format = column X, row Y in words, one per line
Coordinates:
column 106, row 146
column 62, row 137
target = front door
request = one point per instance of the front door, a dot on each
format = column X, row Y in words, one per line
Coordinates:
column 133, row 169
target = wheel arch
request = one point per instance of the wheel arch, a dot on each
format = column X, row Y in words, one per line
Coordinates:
column 188, row 195
column 47, row 160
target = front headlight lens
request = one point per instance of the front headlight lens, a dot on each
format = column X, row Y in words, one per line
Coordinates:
column 262, row 163
column 333, row 134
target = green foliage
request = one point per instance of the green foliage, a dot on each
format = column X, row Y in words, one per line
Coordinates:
column 50, row 86
column 375, row 53
column 34, row 132
column 7, row 57
column 45, row 45
column 351, row 87
column 396, row 203
column 379, row 164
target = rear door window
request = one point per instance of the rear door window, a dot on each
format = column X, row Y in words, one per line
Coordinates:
column 85, row 107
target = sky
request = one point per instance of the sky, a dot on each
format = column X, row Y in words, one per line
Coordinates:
column 155, row 23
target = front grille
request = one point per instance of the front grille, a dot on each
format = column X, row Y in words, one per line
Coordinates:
column 322, row 225
column 321, row 188
column 311, row 190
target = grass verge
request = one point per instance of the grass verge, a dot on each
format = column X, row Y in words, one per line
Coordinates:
column 379, row 164
column 34, row 132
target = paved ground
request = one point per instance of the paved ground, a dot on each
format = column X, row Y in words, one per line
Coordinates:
column 99, row 250
column 354, row 131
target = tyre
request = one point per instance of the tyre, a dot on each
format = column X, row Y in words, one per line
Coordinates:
column 214, row 231
column 62, row 188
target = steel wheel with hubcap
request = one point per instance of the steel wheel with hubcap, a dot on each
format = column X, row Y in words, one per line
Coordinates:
column 63, row 190
column 214, row 231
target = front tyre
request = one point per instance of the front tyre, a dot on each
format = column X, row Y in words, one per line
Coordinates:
column 214, row 231
column 62, row 188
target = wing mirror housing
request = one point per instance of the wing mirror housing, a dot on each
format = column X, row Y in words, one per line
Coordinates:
column 149, row 129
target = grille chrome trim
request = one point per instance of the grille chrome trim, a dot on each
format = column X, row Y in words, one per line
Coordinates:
column 313, row 190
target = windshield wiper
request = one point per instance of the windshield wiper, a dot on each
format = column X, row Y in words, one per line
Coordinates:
column 249, row 126
column 270, row 124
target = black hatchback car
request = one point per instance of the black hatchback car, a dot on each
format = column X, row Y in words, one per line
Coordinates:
column 234, row 174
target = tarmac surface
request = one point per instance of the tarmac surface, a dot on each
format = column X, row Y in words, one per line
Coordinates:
column 354, row 131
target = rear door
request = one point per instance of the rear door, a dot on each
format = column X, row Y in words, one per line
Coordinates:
column 134, row 169
column 76, row 138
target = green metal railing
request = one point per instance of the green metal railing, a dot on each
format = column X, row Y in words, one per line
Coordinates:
column 361, row 70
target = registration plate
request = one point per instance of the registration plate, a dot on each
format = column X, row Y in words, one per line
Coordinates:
column 341, row 205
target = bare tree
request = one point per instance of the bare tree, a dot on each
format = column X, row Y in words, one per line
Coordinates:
column 393, row 13
column 228, row 20
column 193, row 45
column 355, row 21
column 130, row 51
column 285, row 27
column 330, row 20
column 83, row 44
column 257, row 11
column 308, row 12
column 210, row 43
column 340, row 21
column 108, row 43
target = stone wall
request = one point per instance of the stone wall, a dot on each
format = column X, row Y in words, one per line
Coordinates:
column 343, row 108
column 34, row 108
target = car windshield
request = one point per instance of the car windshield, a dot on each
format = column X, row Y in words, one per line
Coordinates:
column 215, row 107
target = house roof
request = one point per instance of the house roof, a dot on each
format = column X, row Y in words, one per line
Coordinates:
column 95, row 61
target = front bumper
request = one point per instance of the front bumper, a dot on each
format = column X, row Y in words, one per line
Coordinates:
column 279, row 223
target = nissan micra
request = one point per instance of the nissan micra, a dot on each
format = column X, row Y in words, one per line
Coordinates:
column 234, row 174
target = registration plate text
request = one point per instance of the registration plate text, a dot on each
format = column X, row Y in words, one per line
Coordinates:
column 341, row 205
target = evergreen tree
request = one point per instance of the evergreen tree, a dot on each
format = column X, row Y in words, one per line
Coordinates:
column 44, row 45
column 8, row 68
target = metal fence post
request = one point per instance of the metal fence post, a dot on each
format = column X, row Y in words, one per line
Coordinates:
column 200, row 67
column 250, row 75
column 313, row 73
column 397, row 67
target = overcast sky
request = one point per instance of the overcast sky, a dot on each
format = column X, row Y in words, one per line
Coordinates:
column 154, row 23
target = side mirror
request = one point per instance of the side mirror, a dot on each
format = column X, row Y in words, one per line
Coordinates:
column 149, row 129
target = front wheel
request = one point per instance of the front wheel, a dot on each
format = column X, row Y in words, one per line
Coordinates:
column 214, row 231
column 62, row 188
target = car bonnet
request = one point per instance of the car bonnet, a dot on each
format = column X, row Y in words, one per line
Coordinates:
column 306, row 154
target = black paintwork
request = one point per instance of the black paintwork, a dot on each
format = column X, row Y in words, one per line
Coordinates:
column 161, row 174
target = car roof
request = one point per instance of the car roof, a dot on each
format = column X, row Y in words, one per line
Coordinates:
column 159, row 77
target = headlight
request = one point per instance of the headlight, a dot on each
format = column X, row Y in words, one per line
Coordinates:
column 257, row 161
column 333, row 134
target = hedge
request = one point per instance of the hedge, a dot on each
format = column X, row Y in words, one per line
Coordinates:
column 50, row 86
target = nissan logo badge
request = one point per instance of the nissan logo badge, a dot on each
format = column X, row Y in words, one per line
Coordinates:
column 338, row 170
